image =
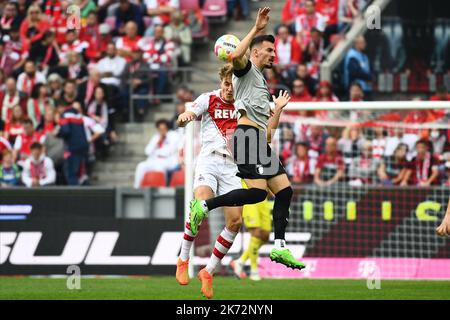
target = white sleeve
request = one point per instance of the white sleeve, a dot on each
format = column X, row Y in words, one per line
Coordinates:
column 20, row 81
column 119, row 43
column 151, row 4
column 175, row 3
column 18, row 143
column 200, row 105
column 298, row 25
column 120, row 66
column 26, row 174
column 151, row 145
column 50, row 174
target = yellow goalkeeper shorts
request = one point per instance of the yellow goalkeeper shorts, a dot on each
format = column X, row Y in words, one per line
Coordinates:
column 258, row 215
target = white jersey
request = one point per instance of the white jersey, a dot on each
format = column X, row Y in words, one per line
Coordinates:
column 219, row 120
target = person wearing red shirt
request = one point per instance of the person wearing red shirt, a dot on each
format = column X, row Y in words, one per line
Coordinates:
column 14, row 127
column 306, row 21
column 300, row 167
column 287, row 48
column 10, row 98
column 21, row 149
column 291, row 9
column 324, row 94
column 300, row 92
column 127, row 44
column 56, row 12
column 33, row 27
column 329, row 9
column 426, row 171
column 330, row 165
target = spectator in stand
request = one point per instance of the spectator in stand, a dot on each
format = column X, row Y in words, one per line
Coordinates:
column 184, row 94
column 128, row 12
column 180, row 34
column 272, row 80
column 69, row 93
column 111, row 67
column 4, row 144
column 288, row 52
column 396, row 169
column 90, row 33
column 9, row 171
column 379, row 143
column 75, row 68
column 314, row 53
column 9, row 19
column 160, row 11
column 128, row 44
column 351, row 143
column 14, row 47
column 363, row 169
column 38, row 170
column 8, row 59
column 397, row 136
column 37, row 103
column 179, row 109
column 438, row 139
column 300, row 92
column 441, row 94
column 300, row 167
column 329, row 9
column 86, row 7
column 33, row 27
column 137, row 75
column 21, row 149
column 22, row 9
column 159, row 53
column 244, row 9
column 302, row 73
column 291, row 10
column 447, row 172
column 85, row 91
column 316, row 137
column 29, row 78
column 76, row 145
column 14, row 127
column 357, row 66
column 72, row 44
column 55, row 86
column 306, row 21
column 99, row 111
column 44, row 52
column 330, row 165
column 10, row 98
column 349, row 10
column 426, row 165
column 324, row 94
column 161, row 152
column 56, row 12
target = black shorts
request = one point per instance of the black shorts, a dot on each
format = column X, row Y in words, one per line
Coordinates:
column 253, row 155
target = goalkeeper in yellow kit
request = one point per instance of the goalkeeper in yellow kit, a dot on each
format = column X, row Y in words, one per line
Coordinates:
column 258, row 222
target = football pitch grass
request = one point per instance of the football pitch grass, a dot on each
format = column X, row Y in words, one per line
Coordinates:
column 225, row 288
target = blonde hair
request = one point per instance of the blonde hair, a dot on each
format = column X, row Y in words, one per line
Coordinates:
column 33, row 7
column 226, row 71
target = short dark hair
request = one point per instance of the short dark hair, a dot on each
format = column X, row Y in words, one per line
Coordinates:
column 162, row 121
column 27, row 121
column 36, row 145
column 260, row 39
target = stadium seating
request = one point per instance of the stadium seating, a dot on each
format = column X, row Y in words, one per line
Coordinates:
column 154, row 179
column 215, row 10
column 177, row 179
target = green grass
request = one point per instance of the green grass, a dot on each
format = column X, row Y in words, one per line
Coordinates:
column 225, row 288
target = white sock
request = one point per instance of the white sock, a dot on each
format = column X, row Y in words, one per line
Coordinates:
column 187, row 242
column 203, row 203
column 223, row 244
column 280, row 244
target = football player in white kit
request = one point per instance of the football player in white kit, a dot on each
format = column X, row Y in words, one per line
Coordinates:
column 215, row 172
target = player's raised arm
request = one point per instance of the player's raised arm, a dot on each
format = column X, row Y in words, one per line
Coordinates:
column 238, row 57
column 185, row 118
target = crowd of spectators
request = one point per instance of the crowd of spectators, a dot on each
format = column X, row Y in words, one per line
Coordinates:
column 66, row 78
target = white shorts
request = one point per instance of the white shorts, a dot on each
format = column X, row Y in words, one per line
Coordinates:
column 216, row 172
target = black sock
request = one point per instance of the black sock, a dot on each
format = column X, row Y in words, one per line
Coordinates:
column 237, row 198
column 281, row 211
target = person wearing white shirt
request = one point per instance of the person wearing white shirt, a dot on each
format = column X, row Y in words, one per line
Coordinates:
column 111, row 67
column 38, row 169
column 29, row 78
column 161, row 152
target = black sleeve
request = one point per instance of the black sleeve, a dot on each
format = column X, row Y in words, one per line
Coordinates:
column 243, row 72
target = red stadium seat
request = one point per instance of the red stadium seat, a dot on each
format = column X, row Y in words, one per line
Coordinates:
column 154, row 179
column 186, row 5
column 177, row 179
column 202, row 35
column 215, row 8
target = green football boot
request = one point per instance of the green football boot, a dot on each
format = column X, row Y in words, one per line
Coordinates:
column 284, row 256
column 196, row 215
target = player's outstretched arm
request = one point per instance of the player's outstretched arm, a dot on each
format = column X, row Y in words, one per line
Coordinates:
column 185, row 118
column 238, row 57
column 280, row 102
column 444, row 229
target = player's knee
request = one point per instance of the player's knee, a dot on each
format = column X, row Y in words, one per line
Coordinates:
column 285, row 195
column 264, row 235
column 258, row 195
